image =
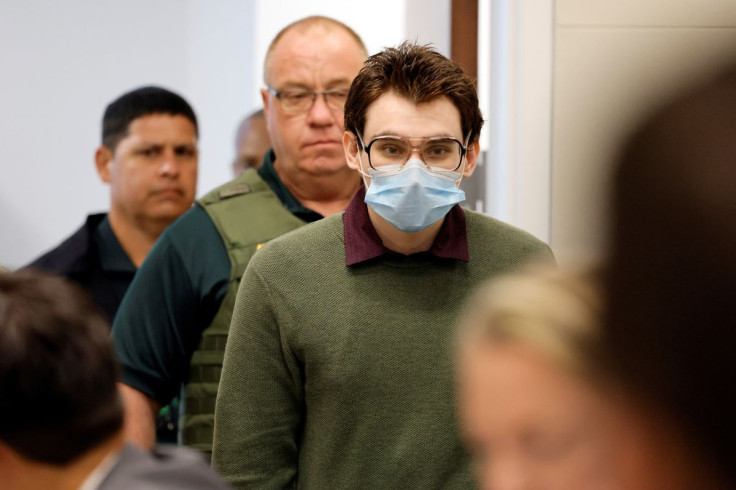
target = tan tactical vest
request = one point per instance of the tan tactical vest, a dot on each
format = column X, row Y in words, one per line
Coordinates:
column 247, row 214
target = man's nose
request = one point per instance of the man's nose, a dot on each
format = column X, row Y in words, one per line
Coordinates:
column 169, row 166
column 320, row 114
column 416, row 150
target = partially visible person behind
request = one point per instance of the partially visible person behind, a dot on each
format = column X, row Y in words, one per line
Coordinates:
column 61, row 416
column 536, row 400
column 671, row 322
column 172, row 327
column 251, row 143
column 148, row 156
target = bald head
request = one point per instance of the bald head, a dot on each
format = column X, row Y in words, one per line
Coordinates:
column 302, row 26
column 311, row 56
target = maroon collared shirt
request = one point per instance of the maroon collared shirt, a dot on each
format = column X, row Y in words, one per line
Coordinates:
column 363, row 243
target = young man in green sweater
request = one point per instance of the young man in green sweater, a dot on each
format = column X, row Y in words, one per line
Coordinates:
column 338, row 371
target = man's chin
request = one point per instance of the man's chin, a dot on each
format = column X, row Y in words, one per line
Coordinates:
column 326, row 162
column 324, row 167
column 169, row 211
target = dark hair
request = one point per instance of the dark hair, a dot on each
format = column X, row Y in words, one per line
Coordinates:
column 672, row 306
column 58, row 393
column 138, row 103
column 418, row 73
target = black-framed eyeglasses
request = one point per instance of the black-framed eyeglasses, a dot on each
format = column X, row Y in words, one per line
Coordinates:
column 298, row 100
column 390, row 153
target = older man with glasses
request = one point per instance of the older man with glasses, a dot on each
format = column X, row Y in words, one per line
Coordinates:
column 173, row 324
column 338, row 369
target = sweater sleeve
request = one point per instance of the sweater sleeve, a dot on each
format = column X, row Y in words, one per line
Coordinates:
column 258, row 414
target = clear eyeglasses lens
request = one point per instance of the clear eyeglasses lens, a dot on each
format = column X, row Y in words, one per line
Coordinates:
column 441, row 154
column 302, row 101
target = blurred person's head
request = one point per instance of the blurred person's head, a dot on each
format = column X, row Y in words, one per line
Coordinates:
column 251, row 143
column 534, row 393
column 58, row 395
column 308, row 70
column 149, row 157
column 671, row 324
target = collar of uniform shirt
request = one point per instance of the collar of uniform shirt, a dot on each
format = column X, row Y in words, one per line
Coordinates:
column 112, row 256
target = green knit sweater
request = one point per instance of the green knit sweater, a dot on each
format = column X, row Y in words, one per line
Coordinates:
column 341, row 377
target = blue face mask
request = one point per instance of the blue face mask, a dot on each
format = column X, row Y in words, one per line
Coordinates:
column 414, row 197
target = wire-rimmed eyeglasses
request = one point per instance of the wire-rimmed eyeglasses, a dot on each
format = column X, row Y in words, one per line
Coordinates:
column 298, row 100
column 390, row 153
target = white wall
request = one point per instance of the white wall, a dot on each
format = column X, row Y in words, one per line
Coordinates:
column 515, row 91
column 62, row 62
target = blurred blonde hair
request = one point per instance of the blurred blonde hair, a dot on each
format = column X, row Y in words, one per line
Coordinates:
column 555, row 311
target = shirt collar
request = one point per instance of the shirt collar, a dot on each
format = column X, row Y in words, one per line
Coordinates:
column 104, row 468
column 362, row 242
column 268, row 173
column 111, row 253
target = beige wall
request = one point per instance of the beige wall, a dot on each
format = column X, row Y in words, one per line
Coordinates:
column 613, row 61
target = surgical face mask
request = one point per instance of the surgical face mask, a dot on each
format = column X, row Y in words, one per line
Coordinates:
column 413, row 198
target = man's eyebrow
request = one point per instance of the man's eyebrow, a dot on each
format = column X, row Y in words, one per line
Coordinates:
column 389, row 132
column 338, row 82
column 150, row 144
column 294, row 85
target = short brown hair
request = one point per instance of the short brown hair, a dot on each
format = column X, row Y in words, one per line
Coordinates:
column 418, row 73
column 58, row 393
column 305, row 24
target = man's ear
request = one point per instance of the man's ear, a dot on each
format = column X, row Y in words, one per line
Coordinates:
column 350, row 145
column 264, row 98
column 471, row 158
column 103, row 162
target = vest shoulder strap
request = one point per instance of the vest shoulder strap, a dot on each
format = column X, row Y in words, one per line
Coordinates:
column 247, row 213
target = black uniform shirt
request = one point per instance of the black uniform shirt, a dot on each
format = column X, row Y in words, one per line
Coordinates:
column 93, row 258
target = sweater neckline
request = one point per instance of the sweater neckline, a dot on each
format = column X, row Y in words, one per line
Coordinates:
column 414, row 261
